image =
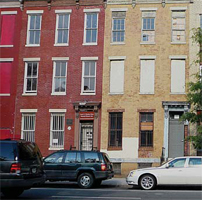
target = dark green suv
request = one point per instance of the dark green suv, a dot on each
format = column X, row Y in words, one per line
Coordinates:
column 21, row 166
column 88, row 168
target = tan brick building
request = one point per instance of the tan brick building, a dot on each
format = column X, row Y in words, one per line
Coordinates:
column 145, row 71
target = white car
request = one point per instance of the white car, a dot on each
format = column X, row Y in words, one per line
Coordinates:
column 178, row 171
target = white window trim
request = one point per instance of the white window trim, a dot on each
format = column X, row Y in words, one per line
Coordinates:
column 82, row 79
column 25, row 93
column 60, row 58
column 53, row 84
column 57, row 110
column 178, row 8
column 148, row 9
column 91, row 10
column 5, row 95
column 35, row 11
column 28, row 110
column 9, row 12
column 63, row 11
column 147, row 57
column 31, row 59
column 56, row 32
column 6, row 59
column 200, row 70
column 119, row 9
column 89, row 58
column 28, row 26
column 178, row 57
column 84, row 36
column 54, row 148
column 6, row 46
column 117, row 57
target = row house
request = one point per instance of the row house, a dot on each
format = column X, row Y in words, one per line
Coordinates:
column 10, row 23
column 59, row 88
column 145, row 71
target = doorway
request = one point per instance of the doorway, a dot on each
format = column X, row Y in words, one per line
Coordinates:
column 86, row 142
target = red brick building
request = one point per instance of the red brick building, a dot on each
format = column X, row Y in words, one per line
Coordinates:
column 59, row 88
column 10, row 26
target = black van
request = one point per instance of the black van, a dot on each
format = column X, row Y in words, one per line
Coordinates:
column 88, row 168
column 21, row 166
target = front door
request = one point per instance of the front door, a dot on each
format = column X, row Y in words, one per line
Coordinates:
column 176, row 135
column 86, row 136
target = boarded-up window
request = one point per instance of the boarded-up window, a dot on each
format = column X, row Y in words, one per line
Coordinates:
column 146, row 129
column 177, row 76
column 147, row 76
column 5, row 77
column 117, row 77
column 7, row 29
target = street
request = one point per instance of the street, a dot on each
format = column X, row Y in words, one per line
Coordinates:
column 115, row 189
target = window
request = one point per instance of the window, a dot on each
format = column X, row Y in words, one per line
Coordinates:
column 34, row 29
column 201, row 21
column 147, row 73
column 5, row 78
column 115, row 129
column 28, row 127
column 146, row 129
column 178, row 26
column 59, row 77
column 177, row 76
column 57, row 130
column 8, row 151
column 91, row 157
column 31, row 77
column 117, row 77
column 118, row 26
column 7, row 29
column 177, row 163
column 73, row 157
column 91, row 28
column 55, row 158
column 148, row 26
column 62, row 29
column 89, row 77
column 195, row 161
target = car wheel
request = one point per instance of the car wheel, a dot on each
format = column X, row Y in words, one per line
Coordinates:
column 147, row 182
column 85, row 180
column 11, row 192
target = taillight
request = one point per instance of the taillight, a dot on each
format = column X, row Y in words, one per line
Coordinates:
column 15, row 168
column 103, row 167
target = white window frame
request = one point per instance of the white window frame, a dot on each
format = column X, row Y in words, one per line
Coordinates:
column 200, row 21
column 154, row 30
column 52, row 146
column 33, row 92
column 178, row 9
column 33, row 13
column 53, row 80
column 62, row 12
column 29, row 134
column 90, row 11
column 89, row 92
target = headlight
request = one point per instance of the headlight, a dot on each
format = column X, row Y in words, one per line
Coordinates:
column 131, row 174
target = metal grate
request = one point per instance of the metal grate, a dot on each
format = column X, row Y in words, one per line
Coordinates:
column 87, row 137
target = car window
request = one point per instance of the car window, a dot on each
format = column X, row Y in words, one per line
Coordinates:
column 195, row 161
column 106, row 157
column 55, row 158
column 91, row 157
column 7, row 152
column 73, row 157
column 177, row 163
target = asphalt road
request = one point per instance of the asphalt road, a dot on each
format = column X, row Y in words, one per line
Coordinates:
column 109, row 190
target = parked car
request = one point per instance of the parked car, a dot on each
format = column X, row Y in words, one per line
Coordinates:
column 178, row 171
column 86, row 167
column 21, row 166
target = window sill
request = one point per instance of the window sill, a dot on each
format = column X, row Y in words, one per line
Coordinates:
column 54, row 148
column 4, row 46
column 114, row 149
column 61, row 45
column 32, row 45
column 178, row 42
column 147, row 43
column 115, row 93
column 29, row 94
column 89, row 44
column 87, row 94
column 180, row 93
column 117, row 43
column 146, row 93
column 5, row 95
column 58, row 94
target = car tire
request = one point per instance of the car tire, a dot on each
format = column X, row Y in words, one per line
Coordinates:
column 147, row 182
column 12, row 192
column 85, row 180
